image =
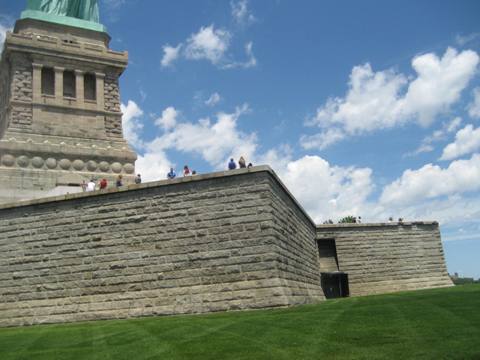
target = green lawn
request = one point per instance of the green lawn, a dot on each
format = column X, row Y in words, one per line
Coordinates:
column 432, row 324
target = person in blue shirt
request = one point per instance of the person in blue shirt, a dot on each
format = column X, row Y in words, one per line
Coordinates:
column 172, row 174
column 232, row 165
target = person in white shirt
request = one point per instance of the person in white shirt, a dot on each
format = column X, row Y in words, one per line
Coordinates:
column 91, row 185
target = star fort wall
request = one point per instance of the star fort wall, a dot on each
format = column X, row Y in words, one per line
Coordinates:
column 223, row 241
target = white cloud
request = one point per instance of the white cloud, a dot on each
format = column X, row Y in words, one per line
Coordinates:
column 326, row 191
column 474, row 107
column 241, row 13
column 213, row 100
column 322, row 140
column 168, row 120
column 170, row 54
column 153, row 165
column 208, row 43
column 211, row 44
column 466, row 141
column 439, row 83
column 131, row 123
column 215, row 142
column 385, row 99
column 431, row 181
column 438, row 135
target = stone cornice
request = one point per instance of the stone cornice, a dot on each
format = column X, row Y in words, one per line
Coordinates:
column 50, row 46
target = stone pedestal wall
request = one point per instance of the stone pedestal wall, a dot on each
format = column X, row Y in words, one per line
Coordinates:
column 193, row 245
column 224, row 241
column 382, row 258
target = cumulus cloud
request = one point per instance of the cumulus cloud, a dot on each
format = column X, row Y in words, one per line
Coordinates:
column 170, row 54
column 327, row 191
column 213, row 100
column 131, row 123
column 208, row 43
column 436, row 136
column 467, row 141
column 214, row 141
column 168, row 120
column 386, row 99
column 153, row 165
column 474, row 107
column 241, row 13
column 432, row 181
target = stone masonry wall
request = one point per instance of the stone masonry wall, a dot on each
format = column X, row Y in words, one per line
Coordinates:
column 21, row 90
column 4, row 95
column 382, row 258
column 296, row 247
column 191, row 245
column 112, row 93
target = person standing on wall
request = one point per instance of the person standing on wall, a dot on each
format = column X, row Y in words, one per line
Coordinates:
column 242, row 163
column 91, row 185
column 171, row 175
column 103, row 184
column 119, row 182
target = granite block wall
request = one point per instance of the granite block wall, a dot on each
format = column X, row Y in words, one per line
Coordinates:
column 382, row 258
column 294, row 234
column 225, row 241
column 201, row 244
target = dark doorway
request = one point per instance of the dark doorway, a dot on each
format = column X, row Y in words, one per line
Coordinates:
column 335, row 284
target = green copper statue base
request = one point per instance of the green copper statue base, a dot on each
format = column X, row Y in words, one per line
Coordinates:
column 63, row 20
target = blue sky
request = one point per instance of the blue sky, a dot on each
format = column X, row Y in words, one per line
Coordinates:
column 367, row 108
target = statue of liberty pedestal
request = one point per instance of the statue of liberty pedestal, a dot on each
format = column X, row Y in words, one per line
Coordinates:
column 80, row 13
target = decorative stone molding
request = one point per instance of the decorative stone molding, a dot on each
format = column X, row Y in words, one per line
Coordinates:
column 78, row 165
column 65, row 164
column 23, row 161
column 8, row 160
column 38, row 162
column 51, row 163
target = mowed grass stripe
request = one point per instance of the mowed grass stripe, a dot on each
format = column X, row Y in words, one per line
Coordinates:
column 430, row 324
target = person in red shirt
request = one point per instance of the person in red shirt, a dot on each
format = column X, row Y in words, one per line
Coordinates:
column 103, row 184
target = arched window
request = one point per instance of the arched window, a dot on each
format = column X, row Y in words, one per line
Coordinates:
column 90, row 86
column 69, row 86
column 48, row 81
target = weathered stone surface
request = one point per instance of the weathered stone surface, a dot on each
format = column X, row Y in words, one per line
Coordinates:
column 56, row 139
column 224, row 241
column 381, row 258
column 202, row 244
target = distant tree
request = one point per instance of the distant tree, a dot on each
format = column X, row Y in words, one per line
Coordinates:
column 328, row 222
column 348, row 220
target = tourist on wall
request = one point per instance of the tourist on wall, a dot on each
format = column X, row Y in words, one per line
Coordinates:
column 119, row 182
column 138, row 179
column 171, row 175
column 186, row 171
column 91, row 185
column 84, row 186
column 241, row 163
column 250, row 165
column 103, row 184
column 232, row 165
